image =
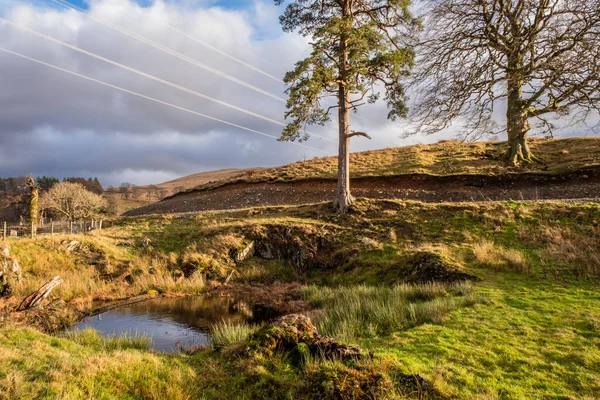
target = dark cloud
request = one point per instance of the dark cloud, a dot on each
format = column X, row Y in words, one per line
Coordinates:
column 52, row 123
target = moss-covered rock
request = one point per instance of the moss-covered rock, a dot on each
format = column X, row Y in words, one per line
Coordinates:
column 296, row 337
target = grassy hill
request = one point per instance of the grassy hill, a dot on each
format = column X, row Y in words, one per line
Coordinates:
column 444, row 158
column 488, row 300
column 530, row 328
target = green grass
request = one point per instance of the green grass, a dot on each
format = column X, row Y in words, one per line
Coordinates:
column 536, row 335
column 39, row 366
column 228, row 333
column 91, row 338
column 354, row 312
column 535, row 340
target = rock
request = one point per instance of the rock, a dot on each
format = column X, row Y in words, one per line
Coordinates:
column 70, row 245
column 5, row 251
column 245, row 254
column 299, row 246
column 370, row 243
column 297, row 337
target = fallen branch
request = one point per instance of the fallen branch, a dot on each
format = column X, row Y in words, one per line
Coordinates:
column 35, row 299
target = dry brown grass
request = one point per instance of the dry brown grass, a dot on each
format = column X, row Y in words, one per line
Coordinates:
column 578, row 252
column 99, row 269
column 443, row 158
column 498, row 257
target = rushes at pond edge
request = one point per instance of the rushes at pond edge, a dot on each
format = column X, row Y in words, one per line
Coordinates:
column 353, row 312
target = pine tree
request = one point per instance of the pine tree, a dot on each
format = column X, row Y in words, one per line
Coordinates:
column 359, row 47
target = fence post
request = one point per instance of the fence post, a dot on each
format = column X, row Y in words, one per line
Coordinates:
column 100, row 228
column 71, row 227
column 52, row 227
column 4, row 230
column 32, row 229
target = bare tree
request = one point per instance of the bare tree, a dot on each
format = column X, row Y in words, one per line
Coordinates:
column 126, row 190
column 72, row 201
column 359, row 48
column 536, row 56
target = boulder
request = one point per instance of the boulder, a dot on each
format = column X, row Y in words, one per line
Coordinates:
column 70, row 245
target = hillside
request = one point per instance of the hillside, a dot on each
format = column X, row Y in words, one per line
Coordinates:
column 446, row 171
column 525, row 326
column 123, row 200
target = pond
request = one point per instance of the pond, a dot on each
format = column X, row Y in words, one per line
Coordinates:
column 173, row 324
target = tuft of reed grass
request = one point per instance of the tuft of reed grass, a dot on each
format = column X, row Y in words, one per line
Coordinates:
column 364, row 311
column 91, row 338
column 498, row 257
column 226, row 333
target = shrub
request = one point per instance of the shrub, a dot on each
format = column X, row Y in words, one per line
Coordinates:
column 227, row 333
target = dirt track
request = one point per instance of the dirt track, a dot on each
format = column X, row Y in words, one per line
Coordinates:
column 582, row 184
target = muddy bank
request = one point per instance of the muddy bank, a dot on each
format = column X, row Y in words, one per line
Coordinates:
column 580, row 184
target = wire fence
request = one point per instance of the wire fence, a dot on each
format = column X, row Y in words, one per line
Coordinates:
column 50, row 228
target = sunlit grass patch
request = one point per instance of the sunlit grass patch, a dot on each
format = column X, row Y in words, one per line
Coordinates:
column 498, row 257
column 92, row 338
column 227, row 333
column 354, row 312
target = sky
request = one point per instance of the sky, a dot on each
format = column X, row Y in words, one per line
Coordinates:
column 56, row 124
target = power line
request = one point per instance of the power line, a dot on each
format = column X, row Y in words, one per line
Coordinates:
column 151, row 98
column 167, row 50
column 183, row 57
column 152, row 77
column 138, row 72
column 260, row 71
column 194, row 39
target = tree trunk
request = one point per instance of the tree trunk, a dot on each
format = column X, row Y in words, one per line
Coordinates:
column 344, row 200
column 517, row 124
column 35, row 299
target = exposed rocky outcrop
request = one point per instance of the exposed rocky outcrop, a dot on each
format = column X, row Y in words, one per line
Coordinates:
column 10, row 271
column 300, row 246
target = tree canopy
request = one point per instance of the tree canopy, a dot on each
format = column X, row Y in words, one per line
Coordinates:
column 72, row 201
column 535, row 57
column 360, row 48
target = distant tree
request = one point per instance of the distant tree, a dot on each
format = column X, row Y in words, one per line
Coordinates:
column 154, row 193
column 46, row 182
column 359, row 47
column 126, row 190
column 537, row 56
column 72, row 201
column 88, row 184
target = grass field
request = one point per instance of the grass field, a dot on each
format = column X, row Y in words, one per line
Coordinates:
column 530, row 328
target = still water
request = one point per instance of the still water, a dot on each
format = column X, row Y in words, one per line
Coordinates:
column 172, row 323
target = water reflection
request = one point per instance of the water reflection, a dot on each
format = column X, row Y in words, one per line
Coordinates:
column 172, row 323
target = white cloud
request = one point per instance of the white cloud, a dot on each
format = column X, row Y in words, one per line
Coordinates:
column 55, row 124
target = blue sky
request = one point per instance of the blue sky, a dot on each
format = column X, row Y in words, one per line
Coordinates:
column 228, row 4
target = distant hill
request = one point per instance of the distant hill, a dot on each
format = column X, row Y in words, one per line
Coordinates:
column 122, row 199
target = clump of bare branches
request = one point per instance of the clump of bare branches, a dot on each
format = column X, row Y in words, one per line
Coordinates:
column 72, row 201
column 536, row 57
